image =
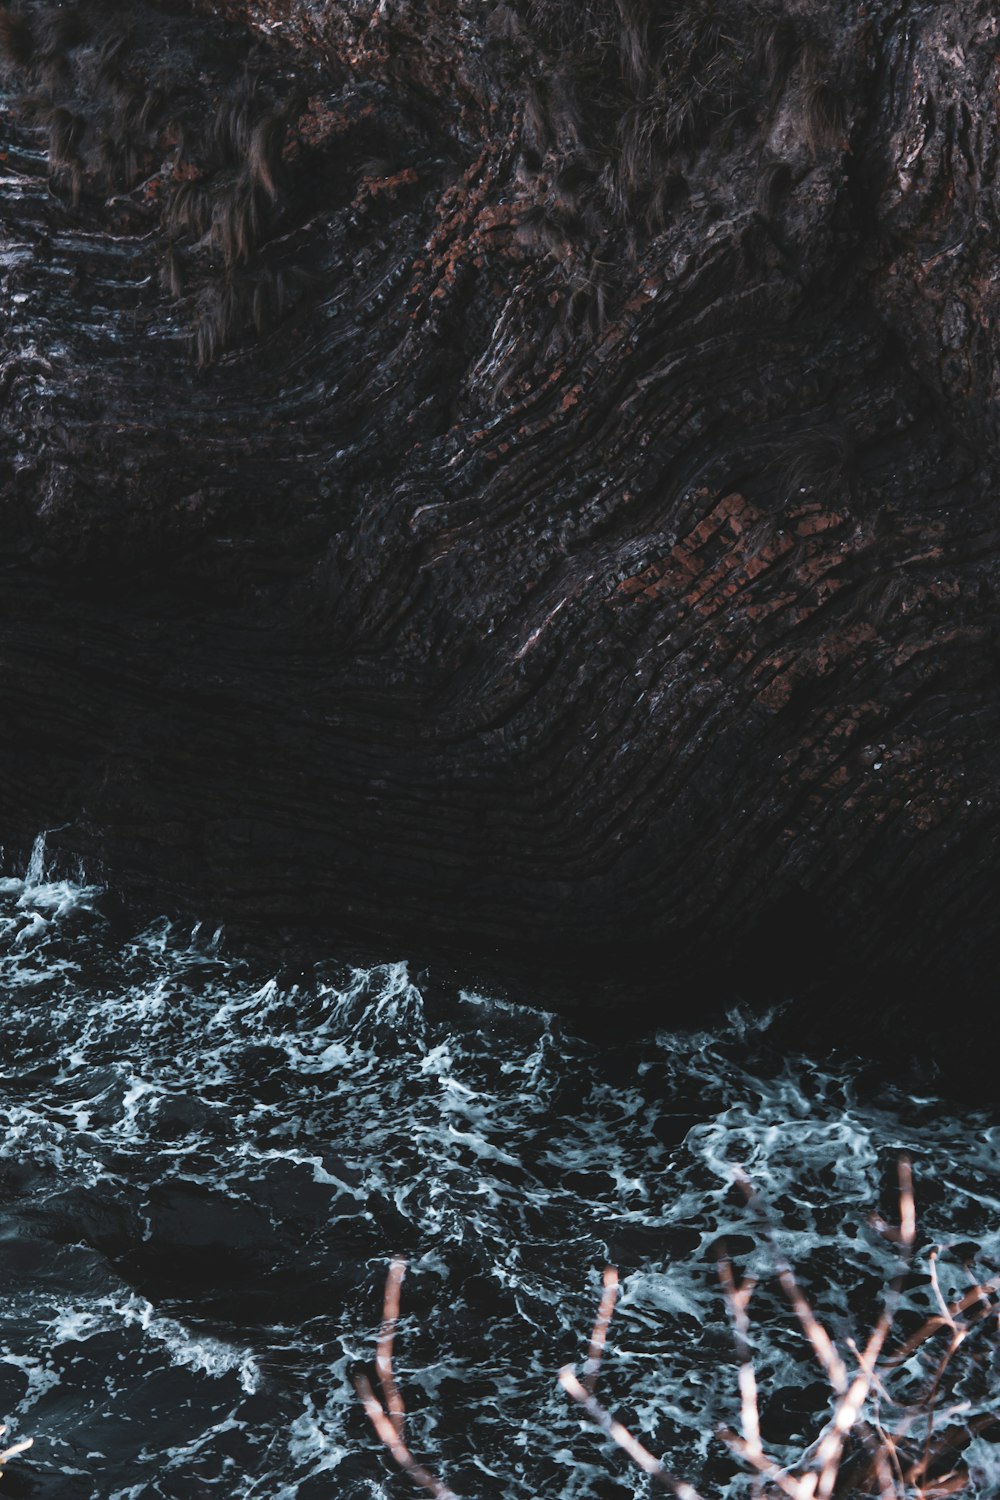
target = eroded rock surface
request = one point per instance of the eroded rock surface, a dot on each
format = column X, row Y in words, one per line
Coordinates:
column 514, row 474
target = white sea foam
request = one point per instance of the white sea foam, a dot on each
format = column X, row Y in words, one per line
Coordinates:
column 185, row 1347
column 211, row 1168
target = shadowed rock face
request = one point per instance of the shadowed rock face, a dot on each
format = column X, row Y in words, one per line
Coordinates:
column 515, row 474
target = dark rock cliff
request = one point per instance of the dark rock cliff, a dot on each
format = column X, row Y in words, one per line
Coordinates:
column 515, row 475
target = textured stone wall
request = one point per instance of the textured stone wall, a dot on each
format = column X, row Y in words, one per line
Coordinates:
column 520, row 475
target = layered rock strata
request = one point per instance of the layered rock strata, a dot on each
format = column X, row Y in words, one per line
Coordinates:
column 515, row 475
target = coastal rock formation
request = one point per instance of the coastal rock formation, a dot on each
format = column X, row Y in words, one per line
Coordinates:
column 514, row 475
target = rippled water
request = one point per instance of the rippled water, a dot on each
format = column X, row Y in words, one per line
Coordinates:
column 204, row 1169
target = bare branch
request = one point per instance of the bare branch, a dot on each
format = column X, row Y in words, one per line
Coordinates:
column 402, row 1455
column 822, row 1344
column 831, row 1447
column 852, row 1394
column 383, row 1348
column 884, row 1474
column 907, row 1207
column 599, row 1336
column 15, row 1448
column 737, row 1301
column 849, row 1407
column 946, row 1313
column 389, row 1427
column 893, row 1468
column 621, row 1435
column 789, row 1484
column 979, row 1293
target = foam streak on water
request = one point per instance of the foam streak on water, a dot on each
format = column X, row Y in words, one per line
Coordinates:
column 204, row 1169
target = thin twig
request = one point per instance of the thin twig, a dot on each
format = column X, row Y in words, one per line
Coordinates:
column 845, row 1417
column 907, row 1205
column 946, row 1311
column 879, row 1443
column 887, row 1457
column 20, row 1447
column 848, row 1410
column 822, row 1344
column 877, row 1385
column 957, row 1338
column 598, row 1338
column 884, row 1475
column 978, row 1293
column 383, row 1348
column 895, row 1472
column 398, row 1449
column 389, row 1427
column 790, row 1484
column 621, row 1435
column 737, row 1301
column 919, row 1469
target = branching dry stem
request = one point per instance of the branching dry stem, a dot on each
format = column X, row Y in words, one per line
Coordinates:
column 894, row 1470
column 817, row 1474
column 621, row 1435
column 390, row 1425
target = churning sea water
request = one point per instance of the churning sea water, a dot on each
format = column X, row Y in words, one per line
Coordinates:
column 205, row 1168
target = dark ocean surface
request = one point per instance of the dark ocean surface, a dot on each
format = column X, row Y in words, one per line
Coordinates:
column 206, row 1166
